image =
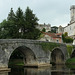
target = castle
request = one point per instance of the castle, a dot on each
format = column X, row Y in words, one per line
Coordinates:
column 70, row 28
column 42, row 26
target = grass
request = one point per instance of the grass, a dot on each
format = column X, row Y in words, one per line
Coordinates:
column 41, row 36
column 16, row 63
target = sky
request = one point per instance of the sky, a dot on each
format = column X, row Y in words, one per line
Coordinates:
column 54, row 12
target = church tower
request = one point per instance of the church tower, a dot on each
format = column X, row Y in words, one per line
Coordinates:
column 72, row 9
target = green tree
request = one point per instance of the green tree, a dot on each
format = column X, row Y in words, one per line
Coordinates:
column 11, row 15
column 44, row 30
column 3, row 32
column 19, row 22
column 7, row 29
column 20, row 25
column 30, row 25
column 11, row 26
column 66, row 38
column 65, row 34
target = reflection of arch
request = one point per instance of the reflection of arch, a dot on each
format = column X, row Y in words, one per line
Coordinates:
column 57, row 56
column 73, row 54
column 28, row 54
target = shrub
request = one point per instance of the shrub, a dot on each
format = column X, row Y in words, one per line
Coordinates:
column 49, row 46
column 69, row 49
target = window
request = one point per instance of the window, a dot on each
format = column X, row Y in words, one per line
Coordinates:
column 57, row 40
column 70, row 27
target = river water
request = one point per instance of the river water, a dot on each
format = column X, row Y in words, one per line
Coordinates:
column 56, row 70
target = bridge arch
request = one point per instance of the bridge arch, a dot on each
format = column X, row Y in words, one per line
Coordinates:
column 28, row 48
column 57, row 56
column 28, row 55
column 73, row 54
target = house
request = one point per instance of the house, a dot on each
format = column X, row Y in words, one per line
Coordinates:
column 52, row 37
column 46, row 26
column 70, row 28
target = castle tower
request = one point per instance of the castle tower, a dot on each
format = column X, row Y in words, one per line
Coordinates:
column 72, row 9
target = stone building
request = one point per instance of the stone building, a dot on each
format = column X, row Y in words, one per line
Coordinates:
column 46, row 26
column 52, row 37
column 70, row 28
column 60, row 29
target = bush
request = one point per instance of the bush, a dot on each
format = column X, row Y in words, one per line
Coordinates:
column 49, row 46
column 66, row 39
column 70, row 61
column 43, row 30
column 69, row 49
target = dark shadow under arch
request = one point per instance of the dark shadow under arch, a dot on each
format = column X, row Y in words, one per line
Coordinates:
column 73, row 54
column 57, row 56
column 23, row 53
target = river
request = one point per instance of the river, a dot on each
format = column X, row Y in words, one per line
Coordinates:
column 55, row 70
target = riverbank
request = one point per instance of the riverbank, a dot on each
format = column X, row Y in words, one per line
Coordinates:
column 70, row 61
column 5, row 69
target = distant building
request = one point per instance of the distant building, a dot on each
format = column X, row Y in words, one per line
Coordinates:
column 60, row 29
column 46, row 26
column 70, row 28
column 54, row 29
column 52, row 37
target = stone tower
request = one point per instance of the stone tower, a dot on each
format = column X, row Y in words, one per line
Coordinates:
column 60, row 29
column 72, row 9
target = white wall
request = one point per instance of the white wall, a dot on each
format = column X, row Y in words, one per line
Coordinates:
column 70, row 29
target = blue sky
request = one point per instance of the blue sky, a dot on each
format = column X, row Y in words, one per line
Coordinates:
column 54, row 12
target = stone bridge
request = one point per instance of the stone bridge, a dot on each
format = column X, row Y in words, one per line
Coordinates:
column 33, row 51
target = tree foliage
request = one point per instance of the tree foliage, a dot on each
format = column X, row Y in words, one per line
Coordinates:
column 66, row 38
column 31, row 21
column 20, row 25
column 43, row 30
column 11, row 15
column 54, row 29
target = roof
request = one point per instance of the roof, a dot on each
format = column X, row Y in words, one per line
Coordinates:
column 58, row 33
column 53, row 35
column 72, row 7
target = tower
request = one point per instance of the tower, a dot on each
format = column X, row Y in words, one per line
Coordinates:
column 72, row 11
column 60, row 29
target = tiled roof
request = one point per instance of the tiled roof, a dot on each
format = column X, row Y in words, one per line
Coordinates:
column 53, row 35
column 58, row 33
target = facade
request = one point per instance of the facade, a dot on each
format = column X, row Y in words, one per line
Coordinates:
column 52, row 37
column 60, row 29
column 46, row 26
column 72, row 12
column 70, row 28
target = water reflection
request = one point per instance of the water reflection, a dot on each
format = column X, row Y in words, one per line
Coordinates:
column 40, row 71
column 31, row 71
column 56, row 70
column 3, row 73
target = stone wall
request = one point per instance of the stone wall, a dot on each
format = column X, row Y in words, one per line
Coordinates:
column 8, row 46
